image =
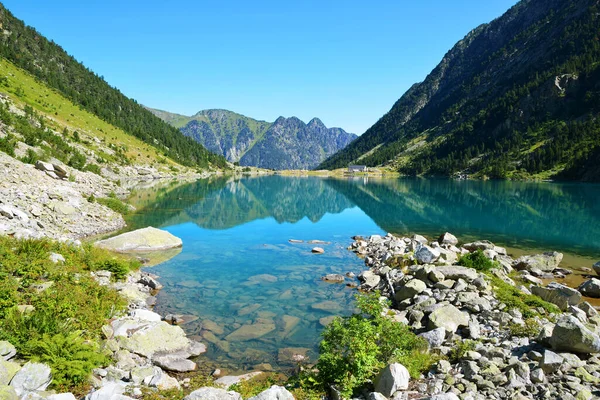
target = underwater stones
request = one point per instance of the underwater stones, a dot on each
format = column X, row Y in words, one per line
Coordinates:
column 326, row 320
column 262, row 278
column 289, row 323
column 141, row 240
column 290, row 355
column 249, row 332
column 333, row 278
column 327, row 305
column 248, row 309
column 212, row 326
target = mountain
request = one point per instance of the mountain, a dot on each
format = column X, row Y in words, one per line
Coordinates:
column 49, row 63
column 516, row 98
column 287, row 143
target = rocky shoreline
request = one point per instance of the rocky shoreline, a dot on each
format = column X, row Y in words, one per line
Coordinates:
column 505, row 354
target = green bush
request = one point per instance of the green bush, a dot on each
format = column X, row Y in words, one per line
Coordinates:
column 460, row 349
column 531, row 328
column 114, row 204
column 31, row 157
column 355, row 348
column 77, row 160
column 476, row 260
column 93, row 168
column 119, row 268
column 8, row 144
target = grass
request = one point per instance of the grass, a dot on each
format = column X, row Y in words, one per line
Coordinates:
column 527, row 304
column 23, row 89
column 69, row 307
column 114, row 204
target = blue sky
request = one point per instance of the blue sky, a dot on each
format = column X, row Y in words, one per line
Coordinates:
column 345, row 62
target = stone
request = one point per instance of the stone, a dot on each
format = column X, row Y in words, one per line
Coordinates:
column 162, row 380
column 318, row 250
column 226, row 381
column 141, row 240
column 324, row 321
column 62, row 396
column 560, row 295
column 596, row 268
column 211, row 393
column 448, row 238
column 109, row 391
column 33, row 377
column 392, row 378
column 590, row 288
column 589, row 310
column 369, row 279
column 7, row 350
column 545, row 262
column 456, row 272
column 150, row 282
column 410, row 289
column 571, row 335
column 434, row 337
column 334, row 278
column 479, row 245
column 376, row 396
column 44, row 166
column 274, row 393
column 60, row 171
column 8, row 393
column 148, row 337
column 426, row 254
column 146, row 315
column 174, row 362
column 57, row 258
column 250, row 332
column 443, row 396
column 448, row 317
column 7, row 371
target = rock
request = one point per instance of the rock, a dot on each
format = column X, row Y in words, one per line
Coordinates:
column 109, row 391
column 44, row 166
column 7, row 371
column 448, row 238
column 33, row 377
column 334, row 278
column 57, row 258
column 161, row 380
column 456, row 272
column 174, row 362
column 60, row 171
column 376, row 396
column 434, row 337
column 596, row 268
column 62, row 396
column 8, row 393
column 560, row 295
column 7, row 350
column 326, row 320
column 150, row 282
column 210, row 393
column 146, row 315
column 274, row 393
column 291, row 355
column 369, row 279
column 449, row 318
column 318, row 250
column 411, row 289
column 392, row 378
column 479, row 245
column 571, row 335
column 442, row 396
column 249, row 332
column 146, row 338
column 230, row 380
column 426, row 254
column 545, row 262
column 590, row 288
column 146, row 239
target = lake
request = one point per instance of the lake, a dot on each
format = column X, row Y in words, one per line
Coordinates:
column 255, row 298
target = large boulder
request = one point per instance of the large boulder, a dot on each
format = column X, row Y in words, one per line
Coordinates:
column 110, row 391
column 211, row 393
column 590, row 288
column 426, row 254
column 571, row 335
column 392, row 378
column 555, row 293
column 8, row 370
column 596, row 268
column 456, row 272
column 434, row 337
column 141, row 240
column 274, row 393
column 448, row 238
column 148, row 338
column 449, row 318
column 369, row 279
column 546, row 262
column 33, row 377
column 410, row 289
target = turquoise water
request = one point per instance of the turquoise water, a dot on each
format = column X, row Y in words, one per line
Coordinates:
column 251, row 295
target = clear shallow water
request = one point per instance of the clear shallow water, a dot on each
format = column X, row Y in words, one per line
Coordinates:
column 254, row 293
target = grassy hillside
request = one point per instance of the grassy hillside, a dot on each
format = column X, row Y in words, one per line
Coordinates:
column 49, row 63
column 516, row 98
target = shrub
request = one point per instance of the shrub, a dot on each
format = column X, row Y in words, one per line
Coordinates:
column 355, row 348
column 460, row 349
column 119, row 268
column 77, row 160
column 514, row 298
column 31, row 157
column 252, row 387
column 531, row 328
column 8, row 144
column 93, row 168
column 114, row 204
column 476, row 260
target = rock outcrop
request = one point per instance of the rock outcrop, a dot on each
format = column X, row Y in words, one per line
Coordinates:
column 141, row 240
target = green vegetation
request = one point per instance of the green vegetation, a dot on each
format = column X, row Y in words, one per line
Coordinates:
column 355, row 348
column 460, row 349
column 114, row 204
column 28, row 49
column 252, row 387
column 477, row 260
column 62, row 307
column 529, row 305
column 531, row 328
column 478, row 114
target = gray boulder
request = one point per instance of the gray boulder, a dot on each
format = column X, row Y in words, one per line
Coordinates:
column 392, row 378
column 33, row 377
column 110, row 391
column 561, row 295
column 426, row 254
column 8, row 393
column 141, row 240
column 456, row 272
column 334, row 278
column 211, row 393
column 448, row 238
column 571, row 335
column 545, row 262
column 590, row 288
column 274, row 393
column 550, row 362
column 369, row 279
column 596, row 268
column 449, row 318
column 434, row 337
column 7, row 350
column 411, row 289
column 443, row 396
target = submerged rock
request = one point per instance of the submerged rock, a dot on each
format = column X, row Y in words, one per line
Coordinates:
column 249, row 332
column 141, row 240
column 318, row 250
column 333, row 278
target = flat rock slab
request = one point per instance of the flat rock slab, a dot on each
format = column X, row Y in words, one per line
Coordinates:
column 141, row 240
column 249, row 332
column 211, row 393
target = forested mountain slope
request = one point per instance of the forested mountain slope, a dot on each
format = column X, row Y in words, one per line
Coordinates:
column 48, row 62
column 517, row 97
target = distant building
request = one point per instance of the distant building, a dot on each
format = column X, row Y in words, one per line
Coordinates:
column 357, row 168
